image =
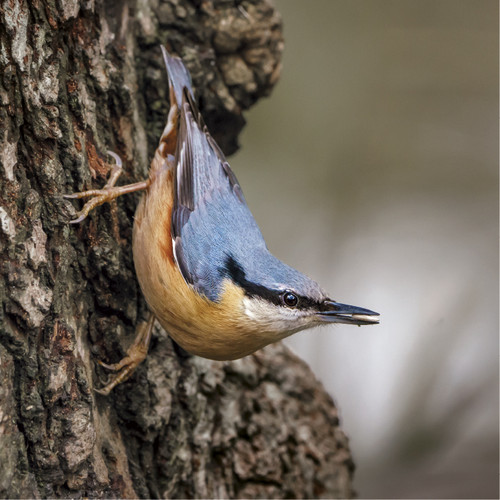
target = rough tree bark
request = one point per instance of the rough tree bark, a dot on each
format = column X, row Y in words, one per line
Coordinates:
column 78, row 77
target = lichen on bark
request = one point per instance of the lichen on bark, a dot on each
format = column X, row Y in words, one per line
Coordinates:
column 77, row 78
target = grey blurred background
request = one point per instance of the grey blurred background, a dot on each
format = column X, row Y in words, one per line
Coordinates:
column 373, row 168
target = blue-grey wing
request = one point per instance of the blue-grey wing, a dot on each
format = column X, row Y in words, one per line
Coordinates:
column 210, row 219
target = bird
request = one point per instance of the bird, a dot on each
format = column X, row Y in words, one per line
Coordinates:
column 200, row 258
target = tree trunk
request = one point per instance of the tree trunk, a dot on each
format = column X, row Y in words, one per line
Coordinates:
column 78, row 77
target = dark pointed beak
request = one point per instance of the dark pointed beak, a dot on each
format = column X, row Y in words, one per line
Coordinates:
column 333, row 312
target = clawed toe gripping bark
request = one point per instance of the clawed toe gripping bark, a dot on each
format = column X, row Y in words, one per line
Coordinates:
column 136, row 354
column 108, row 193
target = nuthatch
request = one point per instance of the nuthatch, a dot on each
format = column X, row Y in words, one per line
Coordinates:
column 199, row 255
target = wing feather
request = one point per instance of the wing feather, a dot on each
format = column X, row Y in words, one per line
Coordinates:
column 210, row 217
column 201, row 164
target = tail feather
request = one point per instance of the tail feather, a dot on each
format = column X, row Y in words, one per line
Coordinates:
column 178, row 80
column 178, row 76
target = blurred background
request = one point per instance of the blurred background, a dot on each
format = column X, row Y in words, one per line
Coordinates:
column 373, row 168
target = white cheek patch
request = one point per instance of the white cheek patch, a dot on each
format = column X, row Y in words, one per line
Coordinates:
column 259, row 310
column 274, row 318
column 249, row 309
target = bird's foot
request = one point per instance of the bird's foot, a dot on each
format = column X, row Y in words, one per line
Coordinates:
column 108, row 193
column 136, row 354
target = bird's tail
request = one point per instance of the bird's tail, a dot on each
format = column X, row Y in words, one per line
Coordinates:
column 178, row 80
column 178, row 76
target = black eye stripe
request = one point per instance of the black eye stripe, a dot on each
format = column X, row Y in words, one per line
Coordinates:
column 236, row 273
column 306, row 303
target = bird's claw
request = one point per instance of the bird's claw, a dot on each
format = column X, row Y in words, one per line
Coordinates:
column 124, row 368
column 107, row 194
column 114, row 367
column 100, row 196
column 136, row 354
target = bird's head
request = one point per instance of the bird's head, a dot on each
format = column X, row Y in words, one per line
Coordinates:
column 283, row 301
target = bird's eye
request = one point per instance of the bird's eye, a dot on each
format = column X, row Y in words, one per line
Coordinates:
column 290, row 299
